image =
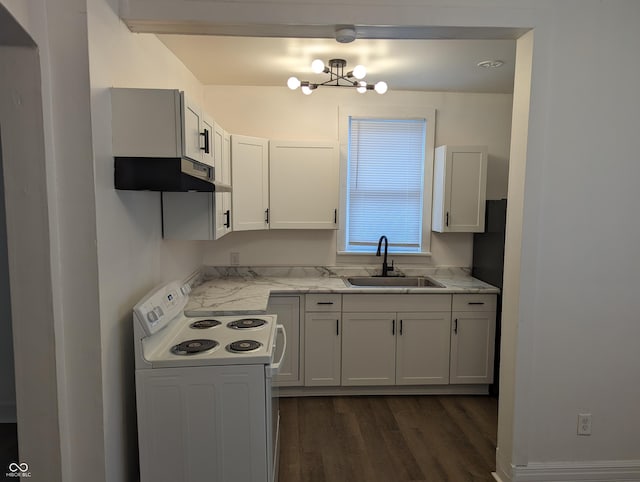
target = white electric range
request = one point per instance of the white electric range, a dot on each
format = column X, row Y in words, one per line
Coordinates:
column 206, row 407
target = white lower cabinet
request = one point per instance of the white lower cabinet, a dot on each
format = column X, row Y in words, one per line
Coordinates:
column 403, row 348
column 322, row 340
column 473, row 330
column 368, row 349
column 392, row 345
column 369, row 340
column 287, row 308
column 422, row 348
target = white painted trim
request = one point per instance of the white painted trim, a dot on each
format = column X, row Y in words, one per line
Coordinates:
column 504, row 468
column 597, row 471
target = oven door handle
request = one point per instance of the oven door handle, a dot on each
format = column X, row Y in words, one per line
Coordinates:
column 274, row 368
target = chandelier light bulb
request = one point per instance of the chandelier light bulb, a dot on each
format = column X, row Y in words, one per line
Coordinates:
column 362, row 87
column 293, row 83
column 317, row 66
column 306, row 90
column 359, row 72
column 381, row 87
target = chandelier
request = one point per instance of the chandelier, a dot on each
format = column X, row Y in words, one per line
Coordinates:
column 337, row 78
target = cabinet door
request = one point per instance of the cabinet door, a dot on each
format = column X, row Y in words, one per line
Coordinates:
column 250, row 179
column 288, row 310
column 208, row 141
column 188, row 215
column 220, row 218
column 303, row 179
column 224, row 173
column 368, row 349
column 422, row 348
column 472, row 347
column 322, row 343
column 460, row 180
column 225, row 176
column 191, row 125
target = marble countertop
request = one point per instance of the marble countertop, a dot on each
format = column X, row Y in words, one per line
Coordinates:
column 245, row 290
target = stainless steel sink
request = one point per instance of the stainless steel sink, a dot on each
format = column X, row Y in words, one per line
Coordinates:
column 392, row 282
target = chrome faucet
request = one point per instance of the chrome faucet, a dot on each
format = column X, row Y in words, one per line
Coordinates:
column 385, row 268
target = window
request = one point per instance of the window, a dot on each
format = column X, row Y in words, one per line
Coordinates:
column 388, row 163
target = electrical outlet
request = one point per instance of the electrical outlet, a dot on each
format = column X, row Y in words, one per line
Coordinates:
column 584, row 424
column 235, row 259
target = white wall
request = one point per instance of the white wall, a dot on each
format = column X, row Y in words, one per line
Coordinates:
column 582, row 317
column 279, row 113
column 131, row 254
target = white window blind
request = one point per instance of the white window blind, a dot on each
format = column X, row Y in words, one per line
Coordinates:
column 385, row 184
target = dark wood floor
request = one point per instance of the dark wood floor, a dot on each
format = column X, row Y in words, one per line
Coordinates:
column 388, row 439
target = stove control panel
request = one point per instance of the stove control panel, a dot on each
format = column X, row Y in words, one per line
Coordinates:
column 160, row 306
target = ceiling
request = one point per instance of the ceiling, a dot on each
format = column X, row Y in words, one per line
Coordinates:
column 405, row 64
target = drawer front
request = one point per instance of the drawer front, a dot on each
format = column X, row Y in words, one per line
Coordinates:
column 394, row 303
column 474, row 302
column 323, row 302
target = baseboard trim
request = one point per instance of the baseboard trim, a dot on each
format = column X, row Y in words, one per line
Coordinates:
column 284, row 391
column 597, row 471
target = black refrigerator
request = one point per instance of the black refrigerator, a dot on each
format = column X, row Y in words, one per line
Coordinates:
column 488, row 265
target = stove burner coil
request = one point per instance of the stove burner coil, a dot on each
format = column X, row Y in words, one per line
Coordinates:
column 243, row 346
column 202, row 324
column 245, row 323
column 193, row 347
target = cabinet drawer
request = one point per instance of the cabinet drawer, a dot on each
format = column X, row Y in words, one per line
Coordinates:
column 323, row 302
column 474, row 302
column 393, row 303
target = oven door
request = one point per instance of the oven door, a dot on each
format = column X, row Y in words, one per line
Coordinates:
column 273, row 412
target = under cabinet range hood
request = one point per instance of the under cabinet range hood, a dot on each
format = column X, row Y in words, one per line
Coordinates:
column 173, row 174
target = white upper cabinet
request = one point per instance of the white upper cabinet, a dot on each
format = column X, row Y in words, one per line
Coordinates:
column 459, row 188
column 303, row 182
column 284, row 184
column 163, row 123
column 250, row 179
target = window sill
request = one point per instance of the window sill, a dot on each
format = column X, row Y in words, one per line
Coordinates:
column 424, row 254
